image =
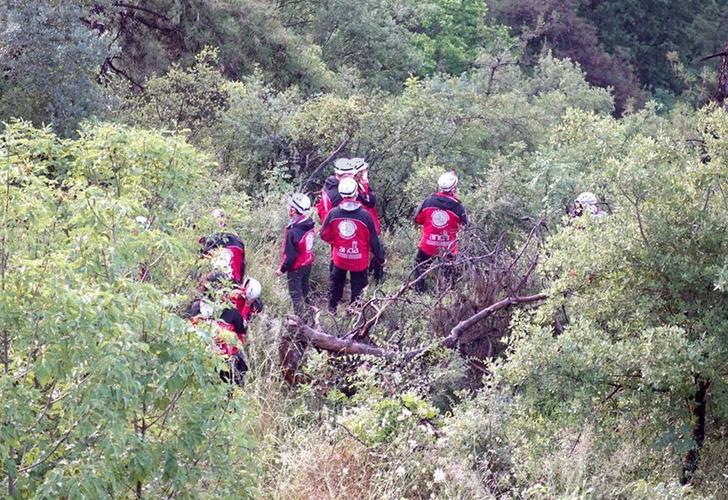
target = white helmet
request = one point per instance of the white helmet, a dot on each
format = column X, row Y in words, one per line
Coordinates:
column 252, row 288
column 344, row 166
column 348, row 187
column 359, row 164
column 300, row 203
column 219, row 215
column 587, row 199
column 447, row 181
column 206, row 309
column 142, row 221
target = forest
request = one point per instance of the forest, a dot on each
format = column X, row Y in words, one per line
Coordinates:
column 552, row 356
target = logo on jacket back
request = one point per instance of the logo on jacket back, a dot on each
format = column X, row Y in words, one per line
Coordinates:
column 347, row 229
column 309, row 241
column 351, row 253
column 440, row 218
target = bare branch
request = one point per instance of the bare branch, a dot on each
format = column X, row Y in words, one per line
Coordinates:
column 334, row 344
column 328, row 160
column 452, row 339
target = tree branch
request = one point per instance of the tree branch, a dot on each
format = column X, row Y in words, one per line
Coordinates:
column 452, row 339
column 335, row 344
column 328, row 160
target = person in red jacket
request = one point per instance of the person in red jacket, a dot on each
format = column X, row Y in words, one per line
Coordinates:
column 350, row 231
column 246, row 298
column 368, row 200
column 440, row 215
column 225, row 250
column 229, row 319
column 297, row 256
column 330, row 197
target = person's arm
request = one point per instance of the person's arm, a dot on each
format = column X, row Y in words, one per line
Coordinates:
column 374, row 241
column 290, row 250
column 327, row 230
column 420, row 214
column 367, row 196
column 463, row 215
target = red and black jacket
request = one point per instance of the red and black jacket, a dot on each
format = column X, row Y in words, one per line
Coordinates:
column 233, row 244
column 368, row 199
column 298, row 239
column 441, row 216
column 330, row 198
column 230, row 320
column 350, row 231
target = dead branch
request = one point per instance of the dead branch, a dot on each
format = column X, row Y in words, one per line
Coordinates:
column 327, row 342
column 334, row 344
column 361, row 331
column 328, row 160
column 452, row 339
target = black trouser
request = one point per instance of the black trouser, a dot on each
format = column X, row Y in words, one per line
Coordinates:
column 298, row 287
column 359, row 280
column 238, row 364
column 422, row 263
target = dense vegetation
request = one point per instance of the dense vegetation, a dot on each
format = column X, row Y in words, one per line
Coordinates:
column 126, row 123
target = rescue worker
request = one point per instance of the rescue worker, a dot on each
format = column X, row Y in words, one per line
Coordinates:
column 330, row 197
column 369, row 201
column 587, row 202
column 350, row 231
column 297, row 256
column 230, row 319
column 246, row 299
column 440, row 215
column 225, row 250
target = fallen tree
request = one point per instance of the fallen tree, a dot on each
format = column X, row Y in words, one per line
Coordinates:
column 493, row 277
column 292, row 352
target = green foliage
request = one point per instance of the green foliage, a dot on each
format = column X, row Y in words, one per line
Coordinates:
column 655, row 261
column 105, row 389
column 646, row 32
column 191, row 99
column 454, row 33
column 377, row 422
column 48, row 63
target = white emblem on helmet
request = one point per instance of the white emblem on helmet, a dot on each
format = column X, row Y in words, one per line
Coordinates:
column 347, row 229
column 309, row 241
column 440, row 218
column 222, row 260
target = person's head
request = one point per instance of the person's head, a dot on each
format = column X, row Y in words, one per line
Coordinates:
column 348, row 189
column 586, row 201
column 343, row 167
column 252, row 289
column 448, row 183
column 142, row 222
column 298, row 204
column 360, row 168
column 219, row 215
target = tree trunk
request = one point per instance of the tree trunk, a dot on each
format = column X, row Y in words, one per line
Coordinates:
column 697, row 409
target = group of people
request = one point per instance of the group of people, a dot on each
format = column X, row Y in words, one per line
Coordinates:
column 226, row 298
column 350, row 224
